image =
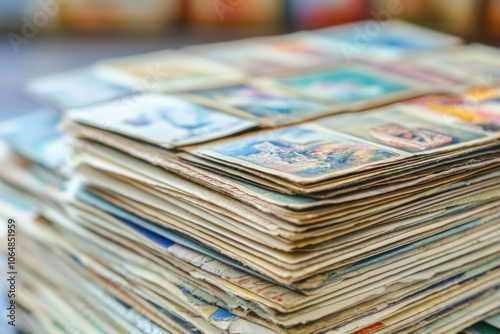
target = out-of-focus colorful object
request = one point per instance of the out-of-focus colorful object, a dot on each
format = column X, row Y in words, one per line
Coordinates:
column 478, row 107
column 493, row 17
column 256, row 13
column 473, row 20
column 120, row 15
column 457, row 17
column 321, row 13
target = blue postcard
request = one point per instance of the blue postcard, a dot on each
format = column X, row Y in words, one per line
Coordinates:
column 264, row 104
column 346, row 85
column 163, row 120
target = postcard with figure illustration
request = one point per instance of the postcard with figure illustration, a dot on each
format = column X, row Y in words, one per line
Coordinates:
column 483, row 114
column 162, row 120
column 401, row 130
column 75, row 89
column 356, row 85
column 266, row 105
column 304, row 153
column 386, row 40
column 166, row 71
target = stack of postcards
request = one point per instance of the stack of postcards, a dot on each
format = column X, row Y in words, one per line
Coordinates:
column 306, row 183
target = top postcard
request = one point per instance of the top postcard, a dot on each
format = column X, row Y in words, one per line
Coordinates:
column 162, row 120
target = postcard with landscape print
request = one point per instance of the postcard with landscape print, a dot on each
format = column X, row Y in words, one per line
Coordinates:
column 300, row 153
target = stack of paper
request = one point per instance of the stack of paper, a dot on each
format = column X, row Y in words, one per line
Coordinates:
column 245, row 188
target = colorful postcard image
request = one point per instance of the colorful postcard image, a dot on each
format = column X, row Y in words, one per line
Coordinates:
column 401, row 130
column 76, row 89
column 315, row 49
column 385, row 40
column 346, row 85
column 302, row 151
column 483, row 114
column 264, row 103
column 298, row 47
column 179, row 120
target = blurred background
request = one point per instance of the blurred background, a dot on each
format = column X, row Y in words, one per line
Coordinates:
column 45, row 36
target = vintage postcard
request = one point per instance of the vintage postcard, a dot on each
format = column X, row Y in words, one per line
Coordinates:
column 474, row 63
column 299, row 153
column 166, row 71
column 385, row 41
column 269, row 55
column 401, row 130
column 304, row 49
column 419, row 73
column 481, row 113
column 355, row 85
column 76, row 88
column 248, row 56
column 266, row 105
column 162, row 120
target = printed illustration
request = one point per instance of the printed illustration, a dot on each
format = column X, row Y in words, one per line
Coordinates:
column 411, row 138
column 481, row 113
column 264, row 103
column 164, row 120
column 400, row 129
column 345, row 85
column 303, row 152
